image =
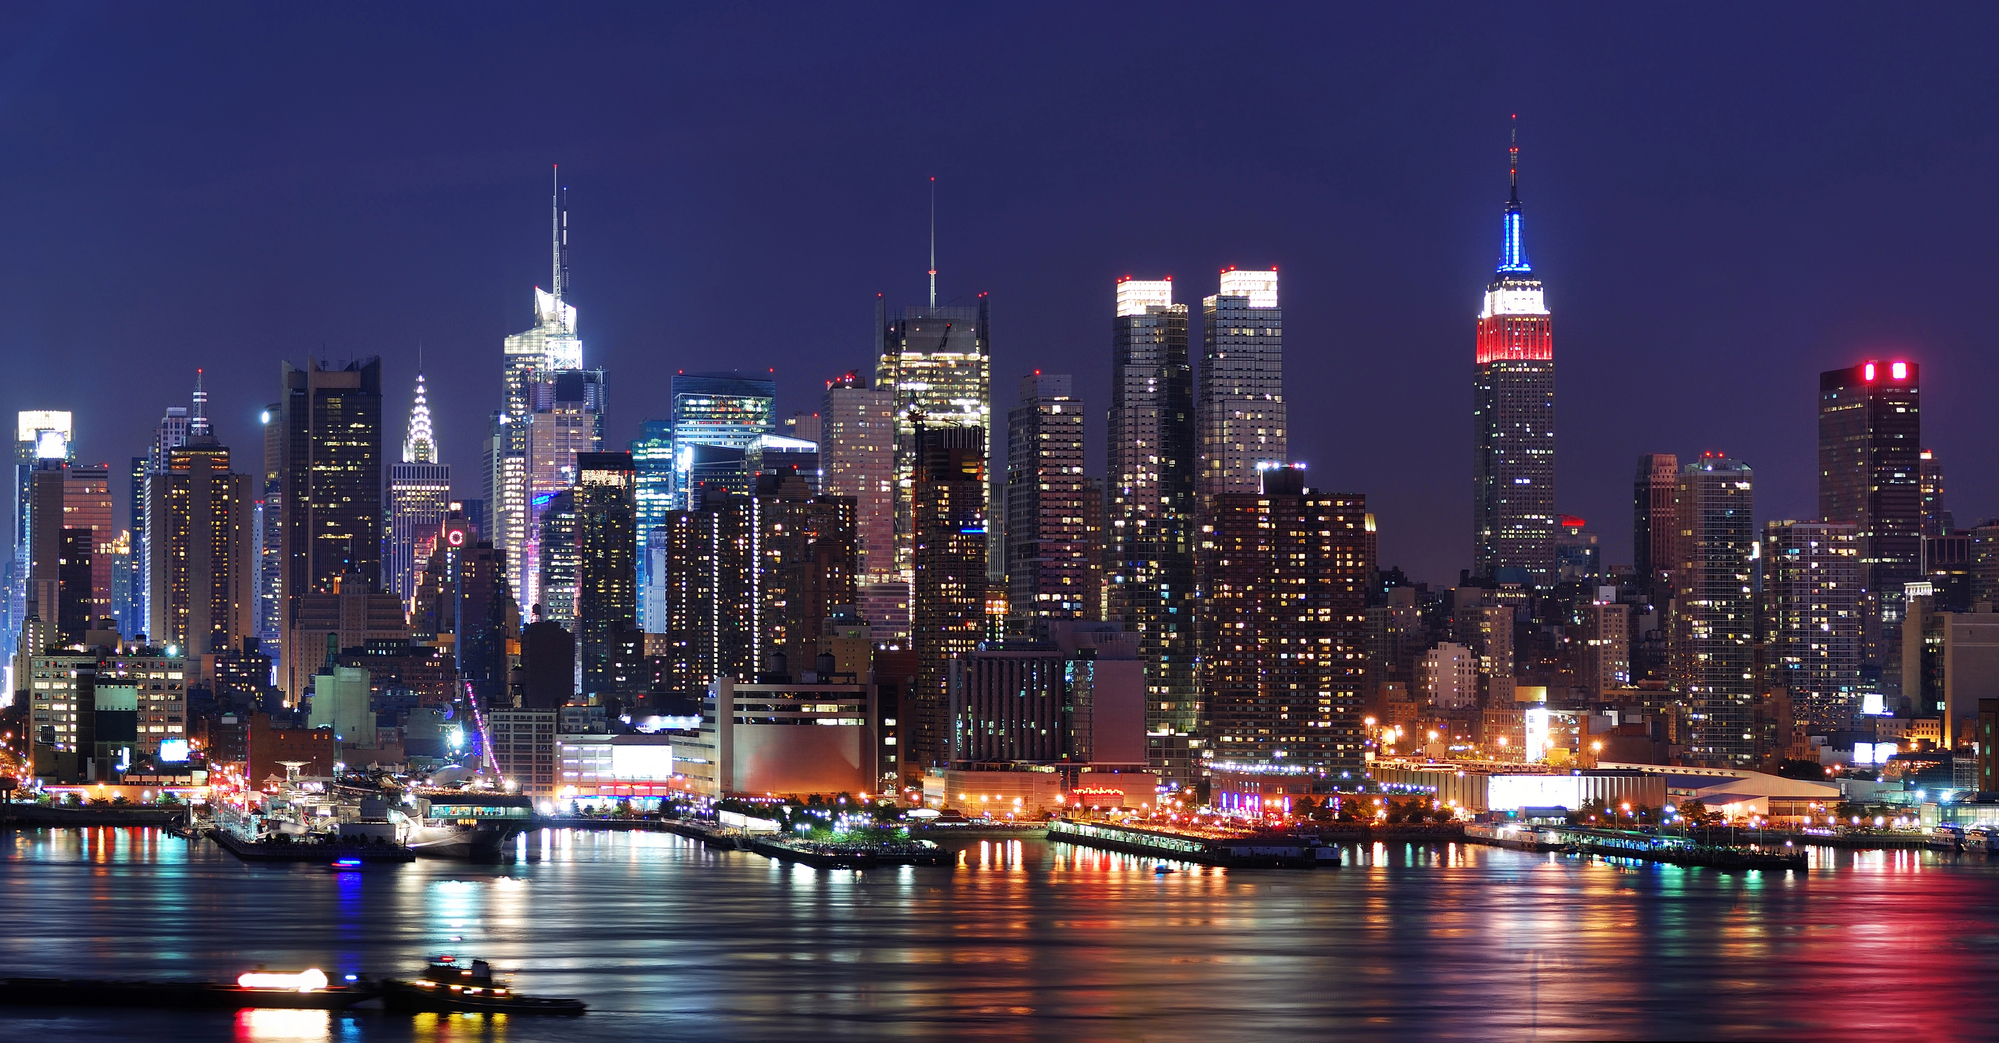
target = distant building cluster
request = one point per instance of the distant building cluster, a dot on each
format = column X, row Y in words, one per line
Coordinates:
column 905, row 590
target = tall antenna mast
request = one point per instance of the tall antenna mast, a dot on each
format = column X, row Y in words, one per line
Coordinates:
column 1513, row 159
column 198, row 423
column 933, row 242
column 555, row 230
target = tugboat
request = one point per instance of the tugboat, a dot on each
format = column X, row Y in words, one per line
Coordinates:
column 450, row 987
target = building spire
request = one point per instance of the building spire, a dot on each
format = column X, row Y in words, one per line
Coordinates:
column 558, row 238
column 1513, row 161
column 1512, row 250
column 933, row 241
column 420, row 446
column 197, row 421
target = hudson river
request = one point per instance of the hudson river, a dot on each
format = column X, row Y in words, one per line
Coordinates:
column 667, row 941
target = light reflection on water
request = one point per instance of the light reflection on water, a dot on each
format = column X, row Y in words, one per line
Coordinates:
column 667, row 939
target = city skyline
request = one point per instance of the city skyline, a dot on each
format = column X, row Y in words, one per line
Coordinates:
column 1382, row 286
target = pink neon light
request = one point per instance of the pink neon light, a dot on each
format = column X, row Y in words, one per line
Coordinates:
column 1898, row 370
column 1867, row 372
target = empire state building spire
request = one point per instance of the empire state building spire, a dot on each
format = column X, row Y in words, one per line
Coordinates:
column 1513, row 409
column 1512, row 251
column 420, row 446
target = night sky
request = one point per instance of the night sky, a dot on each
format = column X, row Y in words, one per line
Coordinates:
column 1723, row 202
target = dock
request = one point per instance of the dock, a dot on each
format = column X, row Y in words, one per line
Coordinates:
column 1248, row 851
column 324, row 852
column 1639, row 846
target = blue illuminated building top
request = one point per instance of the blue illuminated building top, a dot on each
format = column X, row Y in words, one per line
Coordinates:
column 1513, row 252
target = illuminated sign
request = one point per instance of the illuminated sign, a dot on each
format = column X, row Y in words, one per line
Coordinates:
column 1537, row 733
column 173, row 751
column 1867, row 371
column 455, row 537
column 1898, row 370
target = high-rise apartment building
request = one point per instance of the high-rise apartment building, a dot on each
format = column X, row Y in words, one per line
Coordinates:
column 331, row 423
column 1048, row 566
column 1712, row 655
column 419, row 496
column 1242, row 418
column 529, row 359
column 1282, row 617
column 752, row 577
column 1513, row 413
column 203, row 577
column 1153, row 458
column 607, row 575
column 1604, row 665
column 86, row 507
column 935, row 363
column 948, row 553
column 1652, row 520
column 1870, row 475
column 1811, row 619
column 857, row 460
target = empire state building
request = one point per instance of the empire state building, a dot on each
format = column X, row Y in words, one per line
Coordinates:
column 1513, row 411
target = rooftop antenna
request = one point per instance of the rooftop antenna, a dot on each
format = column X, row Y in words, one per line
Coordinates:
column 1513, row 159
column 933, row 242
column 197, row 424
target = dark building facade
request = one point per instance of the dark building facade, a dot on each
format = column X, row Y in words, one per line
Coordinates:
column 1870, row 476
column 1652, row 521
column 331, row 488
column 949, row 554
column 607, row 590
column 1152, row 455
column 1513, row 413
column 1282, row 614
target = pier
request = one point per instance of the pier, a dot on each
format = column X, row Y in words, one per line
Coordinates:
column 1643, row 847
column 1248, row 851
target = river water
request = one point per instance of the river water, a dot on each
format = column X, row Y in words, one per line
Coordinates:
column 667, row 940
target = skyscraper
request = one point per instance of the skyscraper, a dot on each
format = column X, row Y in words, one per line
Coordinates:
column 204, row 564
column 1652, row 526
column 1153, row 461
column 271, row 534
column 331, row 421
column 652, row 496
column 1048, row 565
column 1811, row 619
column 606, row 573
column 42, row 437
column 86, row 507
column 1870, row 476
column 1242, row 382
column 550, row 346
column 857, row 460
column 717, row 417
column 935, row 362
column 1282, row 615
column 1513, row 413
column 948, row 552
column 419, row 496
column 1936, row 518
column 1712, row 655
column 566, row 420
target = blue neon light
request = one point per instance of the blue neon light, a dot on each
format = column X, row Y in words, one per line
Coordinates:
column 1512, row 252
